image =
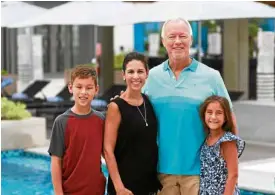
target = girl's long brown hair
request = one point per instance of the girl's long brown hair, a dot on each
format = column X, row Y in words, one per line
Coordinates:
column 228, row 122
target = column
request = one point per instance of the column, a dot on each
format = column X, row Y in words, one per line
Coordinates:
column 235, row 56
column 265, row 66
column 86, row 44
column 53, row 48
column 4, row 62
column 67, row 47
column 25, row 66
column 107, row 59
column 13, row 50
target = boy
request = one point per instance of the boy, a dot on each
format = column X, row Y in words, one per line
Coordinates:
column 76, row 141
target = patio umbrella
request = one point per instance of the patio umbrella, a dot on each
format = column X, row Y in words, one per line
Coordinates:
column 84, row 13
column 201, row 10
column 16, row 12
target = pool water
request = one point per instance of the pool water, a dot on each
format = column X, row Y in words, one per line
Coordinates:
column 25, row 173
column 22, row 173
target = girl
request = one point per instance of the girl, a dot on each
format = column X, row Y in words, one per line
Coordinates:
column 221, row 149
column 130, row 147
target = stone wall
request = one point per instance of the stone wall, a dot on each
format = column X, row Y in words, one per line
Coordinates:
column 256, row 120
column 21, row 134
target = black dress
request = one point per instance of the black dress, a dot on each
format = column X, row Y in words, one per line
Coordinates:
column 136, row 149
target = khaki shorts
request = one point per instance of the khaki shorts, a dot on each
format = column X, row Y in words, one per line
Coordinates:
column 179, row 184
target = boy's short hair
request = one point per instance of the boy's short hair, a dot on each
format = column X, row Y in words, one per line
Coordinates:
column 83, row 71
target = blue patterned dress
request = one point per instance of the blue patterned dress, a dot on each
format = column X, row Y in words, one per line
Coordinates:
column 213, row 166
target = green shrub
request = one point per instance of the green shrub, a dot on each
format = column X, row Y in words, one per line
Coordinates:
column 13, row 111
column 211, row 25
column 162, row 51
column 4, row 72
column 118, row 60
column 92, row 64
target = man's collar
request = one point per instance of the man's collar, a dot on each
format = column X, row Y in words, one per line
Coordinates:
column 193, row 66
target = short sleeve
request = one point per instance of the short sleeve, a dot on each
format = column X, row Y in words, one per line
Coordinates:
column 221, row 89
column 57, row 145
column 228, row 136
column 101, row 115
column 145, row 87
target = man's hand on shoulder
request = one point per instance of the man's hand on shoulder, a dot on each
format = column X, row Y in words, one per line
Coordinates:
column 112, row 98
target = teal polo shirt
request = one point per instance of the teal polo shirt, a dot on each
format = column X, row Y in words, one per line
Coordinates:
column 176, row 104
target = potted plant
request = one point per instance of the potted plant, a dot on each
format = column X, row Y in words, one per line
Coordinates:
column 253, row 27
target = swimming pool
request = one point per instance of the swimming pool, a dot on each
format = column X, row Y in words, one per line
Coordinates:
column 26, row 173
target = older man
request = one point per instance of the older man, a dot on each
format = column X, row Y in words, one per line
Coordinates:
column 176, row 89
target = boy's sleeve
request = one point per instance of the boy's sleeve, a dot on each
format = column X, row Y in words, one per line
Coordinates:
column 57, row 144
column 221, row 89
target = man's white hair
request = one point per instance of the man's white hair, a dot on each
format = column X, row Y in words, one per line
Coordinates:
column 176, row 20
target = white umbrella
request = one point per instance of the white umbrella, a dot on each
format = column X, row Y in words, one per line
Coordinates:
column 84, row 13
column 121, row 13
column 236, row 10
column 201, row 10
column 163, row 10
column 16, row 12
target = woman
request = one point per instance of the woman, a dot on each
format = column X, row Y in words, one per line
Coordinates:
column 130, row 147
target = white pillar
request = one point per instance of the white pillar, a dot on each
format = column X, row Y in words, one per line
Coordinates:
column 37, row 57
column 265, row 66
column 25, row 68
column 53, row 48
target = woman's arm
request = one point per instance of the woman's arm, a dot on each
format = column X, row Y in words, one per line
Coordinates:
column 112, row 122
column 56, row 166
column 230, row 154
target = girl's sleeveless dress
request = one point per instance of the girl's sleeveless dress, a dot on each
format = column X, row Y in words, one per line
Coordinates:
column 213, row 166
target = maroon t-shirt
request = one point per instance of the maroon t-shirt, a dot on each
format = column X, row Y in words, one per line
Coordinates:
column 78, row 140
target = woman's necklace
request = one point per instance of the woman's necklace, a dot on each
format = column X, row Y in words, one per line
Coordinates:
column 144, row 117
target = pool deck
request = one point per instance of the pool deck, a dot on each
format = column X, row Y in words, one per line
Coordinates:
column 256, row 168
column 258, row 175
